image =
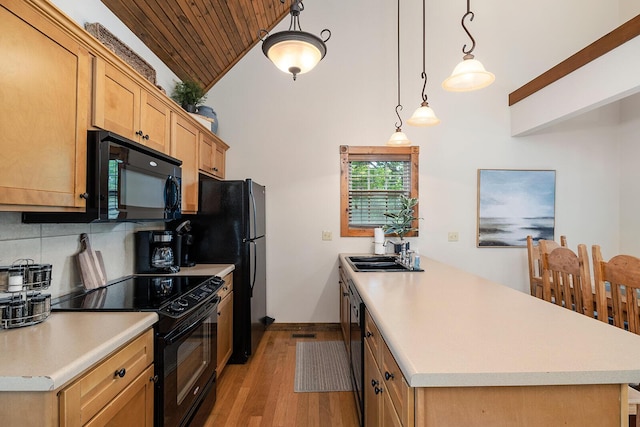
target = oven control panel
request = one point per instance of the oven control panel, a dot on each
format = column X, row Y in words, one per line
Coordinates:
column 197, row 296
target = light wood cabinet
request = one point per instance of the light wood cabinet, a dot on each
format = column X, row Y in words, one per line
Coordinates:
column 378, row 406
column 388, row 399
column 122, row 106
column 212, row 155
column 44, row 112
column 184, row 146
column 118, row 391
column 225, row 324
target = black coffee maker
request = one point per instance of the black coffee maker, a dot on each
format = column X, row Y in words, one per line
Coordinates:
column 157, row 252
column 184, row 231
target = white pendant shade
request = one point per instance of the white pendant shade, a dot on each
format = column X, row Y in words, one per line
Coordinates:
column 423, row 116
column 468, row 75
column 294, row 52
column 398, row 138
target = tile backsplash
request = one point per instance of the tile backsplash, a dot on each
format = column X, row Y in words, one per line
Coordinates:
column 57, row 244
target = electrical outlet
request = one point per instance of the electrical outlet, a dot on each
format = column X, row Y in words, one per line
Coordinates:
column 453, row 236
column 327, row 235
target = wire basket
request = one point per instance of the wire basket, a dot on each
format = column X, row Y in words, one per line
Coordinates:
column 23, row 303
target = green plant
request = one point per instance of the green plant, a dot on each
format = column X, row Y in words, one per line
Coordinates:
column 188, row 92
column 402, row 220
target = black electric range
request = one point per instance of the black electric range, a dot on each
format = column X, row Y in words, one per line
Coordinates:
column 185, row 337
column 172, row 297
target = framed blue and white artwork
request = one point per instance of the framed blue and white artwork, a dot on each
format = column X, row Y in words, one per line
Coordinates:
column 513, row 204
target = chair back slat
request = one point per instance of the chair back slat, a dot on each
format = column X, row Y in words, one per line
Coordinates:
column 622, row 272
column 535, row 263
column 566, row 278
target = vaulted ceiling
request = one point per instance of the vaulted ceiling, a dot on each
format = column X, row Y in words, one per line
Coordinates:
column 199, row 39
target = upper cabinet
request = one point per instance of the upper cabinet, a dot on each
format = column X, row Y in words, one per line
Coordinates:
column 45, row 93
column 185, row 147
column 123, row 106
column 212, row 155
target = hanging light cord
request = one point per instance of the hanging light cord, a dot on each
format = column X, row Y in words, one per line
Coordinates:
column 399, row 106
column 424, row 72
column 469, row 15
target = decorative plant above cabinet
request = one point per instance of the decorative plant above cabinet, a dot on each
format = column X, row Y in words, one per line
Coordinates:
column 189, row 94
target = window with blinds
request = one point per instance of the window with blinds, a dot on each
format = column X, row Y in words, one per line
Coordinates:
column 375, row 187
column 372, row 180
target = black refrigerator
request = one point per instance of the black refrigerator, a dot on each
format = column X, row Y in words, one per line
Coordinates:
column 230, row 229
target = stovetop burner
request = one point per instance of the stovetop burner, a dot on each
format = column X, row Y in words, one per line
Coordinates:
column 172, row 296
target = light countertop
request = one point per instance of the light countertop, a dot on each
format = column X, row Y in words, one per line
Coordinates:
column 446, row 327
column 48, row 355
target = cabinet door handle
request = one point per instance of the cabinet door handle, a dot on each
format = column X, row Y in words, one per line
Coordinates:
column 154, row 379
column 388, row 375
column 139, row 133
column 377, row 390
column 84, row 196
column 146, row 137
column 374, row 382
column 369, row 334
column 120, row 373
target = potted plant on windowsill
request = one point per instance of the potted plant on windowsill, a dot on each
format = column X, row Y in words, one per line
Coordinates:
column 401, row 221
column 189, row 94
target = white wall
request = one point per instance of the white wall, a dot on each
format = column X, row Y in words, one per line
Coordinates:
column 286, row 134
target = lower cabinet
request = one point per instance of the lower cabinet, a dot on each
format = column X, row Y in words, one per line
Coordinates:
column 116, row 392
column 225, row 324
column 384, row 404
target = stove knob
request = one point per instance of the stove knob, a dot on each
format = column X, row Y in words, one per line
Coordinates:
column 176, row 307
column 182, row 302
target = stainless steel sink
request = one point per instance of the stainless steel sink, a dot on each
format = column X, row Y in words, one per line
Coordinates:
column 376, row 263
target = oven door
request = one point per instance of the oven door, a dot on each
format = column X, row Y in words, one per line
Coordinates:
column 188, row 368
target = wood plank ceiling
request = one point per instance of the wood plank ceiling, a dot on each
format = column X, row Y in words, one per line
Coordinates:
column 199, row 39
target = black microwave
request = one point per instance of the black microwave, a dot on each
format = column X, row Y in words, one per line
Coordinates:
column 126, row 181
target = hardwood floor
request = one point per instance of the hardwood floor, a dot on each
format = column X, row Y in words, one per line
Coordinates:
column 260, row 393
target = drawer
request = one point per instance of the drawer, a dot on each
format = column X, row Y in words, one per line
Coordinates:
column 227, row 288
column 398, row 389
column 91, row 392
column 373, row 337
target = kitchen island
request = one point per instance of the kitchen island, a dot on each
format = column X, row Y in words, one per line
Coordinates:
column 474, row 352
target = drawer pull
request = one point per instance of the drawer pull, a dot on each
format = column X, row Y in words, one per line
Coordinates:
column 120, row 373
column 388, row 376
column 154, row 379
column 377, row 390
column 374, row 383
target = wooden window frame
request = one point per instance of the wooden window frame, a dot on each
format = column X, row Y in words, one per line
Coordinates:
column 350, row 153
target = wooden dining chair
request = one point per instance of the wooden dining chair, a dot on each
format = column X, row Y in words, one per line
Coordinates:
column 535, row 263
column 622, row 272
column 566, row 277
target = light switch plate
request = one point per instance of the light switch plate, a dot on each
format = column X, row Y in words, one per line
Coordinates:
column 327, row 235
column 453, row 236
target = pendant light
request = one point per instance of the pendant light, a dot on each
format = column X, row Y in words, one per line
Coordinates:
column 398, row 137
column 469, row 74
column 424, row 115
column 294, row 51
